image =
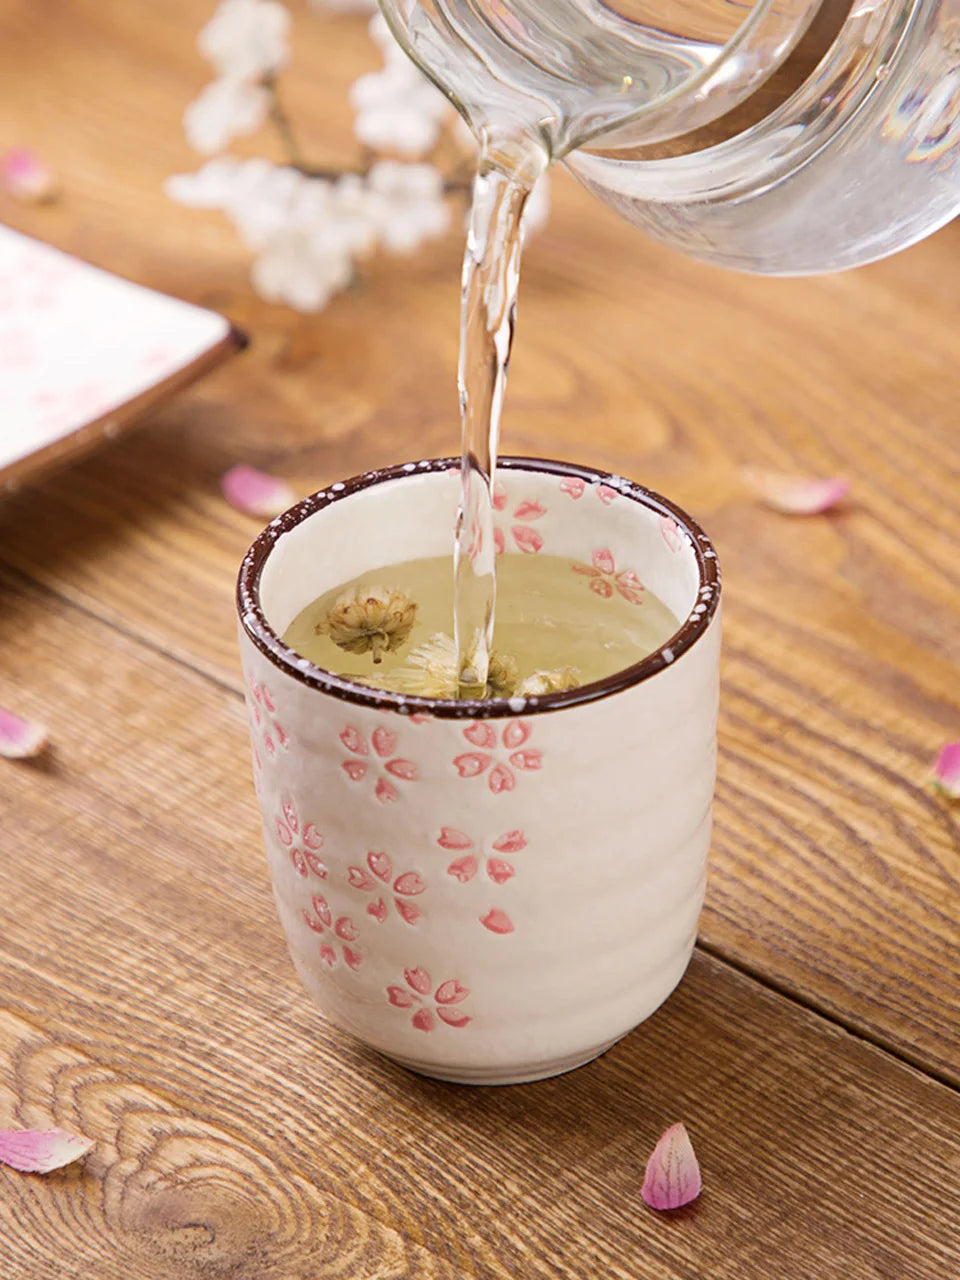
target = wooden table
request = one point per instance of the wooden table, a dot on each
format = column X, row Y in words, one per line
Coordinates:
column 147, row 996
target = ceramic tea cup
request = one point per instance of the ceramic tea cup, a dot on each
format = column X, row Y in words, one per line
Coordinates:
column 487, row 892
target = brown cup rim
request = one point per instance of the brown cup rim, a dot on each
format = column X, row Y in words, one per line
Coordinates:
column 271, row 645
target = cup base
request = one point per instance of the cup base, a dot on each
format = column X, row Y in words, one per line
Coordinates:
column 525, row 1073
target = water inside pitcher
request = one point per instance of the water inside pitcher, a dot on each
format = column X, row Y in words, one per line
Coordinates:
column 782, row 136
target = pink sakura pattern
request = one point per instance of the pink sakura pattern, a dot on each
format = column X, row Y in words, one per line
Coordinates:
column 429, row 1005
column 516, row 755
column 336, row 934
column 498, row 869
column 527, row 539
column 575, row 488
column 464, row 868
column 407, row 885
column 604, row 578
column 670, row 532
column 302, row 842
column 384, row 742
column 263, row 709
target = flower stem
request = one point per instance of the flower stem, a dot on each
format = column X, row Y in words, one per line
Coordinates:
column 281, row 122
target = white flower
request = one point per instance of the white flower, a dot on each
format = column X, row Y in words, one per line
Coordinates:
column 209, row 188
column 408, row 205
column 224, row 110
column 537, row 209
column 291, row 270
column 247, row 39
column 398, row 109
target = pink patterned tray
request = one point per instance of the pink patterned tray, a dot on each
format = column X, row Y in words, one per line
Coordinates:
column 83, row 353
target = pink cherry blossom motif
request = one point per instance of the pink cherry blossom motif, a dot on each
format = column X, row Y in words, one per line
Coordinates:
column 573, row 487
column 377, row 878
column 302, row 841
column 605, row 579
column 383, row 758
column 670, row 532
column 518, row 526
column 465, row 867
column 337, row 933
column 502, row 764
column 427, row 1005
column 262, row 707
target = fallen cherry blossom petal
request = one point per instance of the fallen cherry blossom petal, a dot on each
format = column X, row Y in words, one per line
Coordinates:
column 946, row 771
column 41, row 1150
column 795, row 495
column 256, row 493
column 20, row 738
column 672, row 1176
column 26, row 177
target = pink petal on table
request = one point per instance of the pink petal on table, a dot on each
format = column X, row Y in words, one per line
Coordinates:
column 946, row 771
column 255, row 492
column 673, row 1177
column 41, row 1150
column 795, row 495
column 20, row 738
column 26, row 176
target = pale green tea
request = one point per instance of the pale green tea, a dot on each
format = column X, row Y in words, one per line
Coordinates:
column 559, row 624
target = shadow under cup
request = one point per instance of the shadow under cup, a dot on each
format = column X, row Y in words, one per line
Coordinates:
column 487, row 892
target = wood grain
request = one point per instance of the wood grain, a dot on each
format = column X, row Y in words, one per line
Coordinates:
column 150, row 1004
column 835, row 868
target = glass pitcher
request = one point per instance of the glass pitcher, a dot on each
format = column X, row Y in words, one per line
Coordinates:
column 787, row 137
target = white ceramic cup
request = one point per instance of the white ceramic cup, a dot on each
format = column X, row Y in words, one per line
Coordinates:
column 486, row 892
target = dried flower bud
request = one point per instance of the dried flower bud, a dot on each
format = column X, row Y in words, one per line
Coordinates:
column 370, row 619
column 430, row 671
column 550, row 682
column 502, row 675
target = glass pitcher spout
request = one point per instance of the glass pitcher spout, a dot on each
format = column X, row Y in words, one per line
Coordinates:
column 785, row 137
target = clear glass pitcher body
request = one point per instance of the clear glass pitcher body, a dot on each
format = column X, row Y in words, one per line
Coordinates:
column 786, row 136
